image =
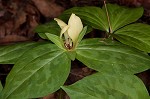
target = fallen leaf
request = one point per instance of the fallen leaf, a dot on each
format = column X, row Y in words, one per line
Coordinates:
column 13, row 39
column 48, row 8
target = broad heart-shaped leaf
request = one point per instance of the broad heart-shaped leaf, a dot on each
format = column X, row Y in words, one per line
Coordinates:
column 136, row 35
column 112, row 57
column 51, row 27
column 91, row 16
column 9, row 54
column 107, row 86
column 121, row 16
column 40, row 71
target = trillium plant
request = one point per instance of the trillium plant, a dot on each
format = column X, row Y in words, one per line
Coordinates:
column 42, row 68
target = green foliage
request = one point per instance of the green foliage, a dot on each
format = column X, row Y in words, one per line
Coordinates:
column 1, row 87
column 51, row 27
column 55, row 39
column 92, row 16
column 136, row 35
column 118, row 18
column 83, row 32
column 103, row 56
column 107, row 86
column 37, row 73
column 121, row 16
column 71, row 55
column 10, row 54
column 41, row 68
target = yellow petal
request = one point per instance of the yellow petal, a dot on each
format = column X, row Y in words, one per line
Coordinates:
column 64, row 29
column 60, row 23
column 75, row 27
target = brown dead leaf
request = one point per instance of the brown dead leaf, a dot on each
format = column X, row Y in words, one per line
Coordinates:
column 8, row 27
column 1, row 6
column 19, row 19
column 33, row 23
column 32, row 10
column 48, row 8
column 146, row 4
column 2, row 12
column 13, row 39
column 2, row 32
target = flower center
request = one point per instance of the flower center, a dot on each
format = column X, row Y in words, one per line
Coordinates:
column 68, row 43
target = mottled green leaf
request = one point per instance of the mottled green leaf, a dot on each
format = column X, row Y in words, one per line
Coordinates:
column 121, row 16
column 136, row 35
column 91, row 16
column 9, row 54
column 97, row 42
column 112, row 57
column 39, row 72
column 107, row 86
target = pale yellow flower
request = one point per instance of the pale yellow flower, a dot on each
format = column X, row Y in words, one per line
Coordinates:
column 70, row 31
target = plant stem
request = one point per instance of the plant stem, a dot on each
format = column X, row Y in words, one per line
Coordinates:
column 61, row 94
column 108, row 18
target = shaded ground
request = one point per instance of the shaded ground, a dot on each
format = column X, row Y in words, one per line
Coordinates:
column 18, row 18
